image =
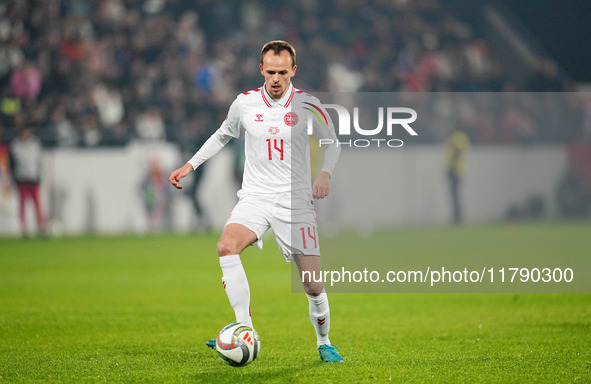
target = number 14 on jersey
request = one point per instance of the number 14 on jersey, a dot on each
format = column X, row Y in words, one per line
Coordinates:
column 277, row 145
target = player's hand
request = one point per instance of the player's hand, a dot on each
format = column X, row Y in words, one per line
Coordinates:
column 176, row 176
column 321, row 186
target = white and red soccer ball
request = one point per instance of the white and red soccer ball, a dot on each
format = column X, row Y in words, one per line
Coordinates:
column 237, row 344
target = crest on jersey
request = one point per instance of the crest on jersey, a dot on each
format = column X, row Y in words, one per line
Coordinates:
column 291, row 118
column 259, row 117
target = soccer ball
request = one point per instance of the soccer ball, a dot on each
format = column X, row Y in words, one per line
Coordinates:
column 238, row 344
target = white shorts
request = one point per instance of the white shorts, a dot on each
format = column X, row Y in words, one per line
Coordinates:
column 293, row 221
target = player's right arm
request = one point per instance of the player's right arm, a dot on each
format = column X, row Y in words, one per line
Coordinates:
column 230, row 128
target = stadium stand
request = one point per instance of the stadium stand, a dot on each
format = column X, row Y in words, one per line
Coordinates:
column 101, row 73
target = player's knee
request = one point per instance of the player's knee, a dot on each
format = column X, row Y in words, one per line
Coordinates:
column 313, row 288
column 228, row 247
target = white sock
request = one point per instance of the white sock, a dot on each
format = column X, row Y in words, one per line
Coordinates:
column 320, row 317
column 236, row 286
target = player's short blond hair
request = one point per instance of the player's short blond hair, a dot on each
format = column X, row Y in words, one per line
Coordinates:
column 277, row 46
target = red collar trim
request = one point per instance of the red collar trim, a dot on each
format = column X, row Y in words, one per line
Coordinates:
column 290, row 97
column 264, row 98
column 264, row 91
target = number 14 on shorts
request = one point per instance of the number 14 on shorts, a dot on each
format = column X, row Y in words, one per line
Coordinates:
column 310, row 233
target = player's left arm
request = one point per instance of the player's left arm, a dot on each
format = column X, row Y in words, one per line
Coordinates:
column 325, row 133
column 321, row 187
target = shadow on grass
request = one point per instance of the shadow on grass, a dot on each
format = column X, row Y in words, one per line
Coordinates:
column 218, row 372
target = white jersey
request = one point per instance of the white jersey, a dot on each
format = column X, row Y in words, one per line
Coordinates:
column 26, row 155
column 277, row 145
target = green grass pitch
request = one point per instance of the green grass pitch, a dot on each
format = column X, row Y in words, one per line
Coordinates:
column 138, row 309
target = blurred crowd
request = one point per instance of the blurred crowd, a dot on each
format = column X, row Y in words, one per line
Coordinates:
column 104, row 72
column 523, row 118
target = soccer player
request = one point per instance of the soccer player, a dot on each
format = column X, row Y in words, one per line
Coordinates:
column 276, row 191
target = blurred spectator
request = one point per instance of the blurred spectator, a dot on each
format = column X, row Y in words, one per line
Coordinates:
column 10, row 55
column 156, row 193
column 190, row 38
column 10, row 106
column 66, row 134
column 26, row 81
column 25, row 162
column 149, row 125
column 107, row 101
